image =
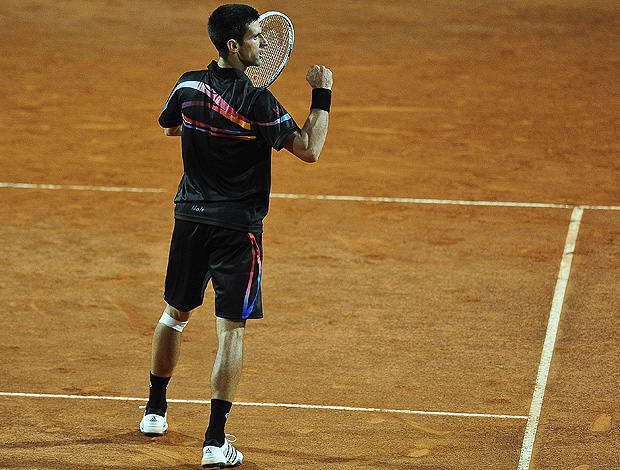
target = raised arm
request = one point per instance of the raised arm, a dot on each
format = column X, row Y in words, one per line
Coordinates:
column 308, row 143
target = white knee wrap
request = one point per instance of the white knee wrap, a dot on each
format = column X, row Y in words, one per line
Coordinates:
column 172, row 323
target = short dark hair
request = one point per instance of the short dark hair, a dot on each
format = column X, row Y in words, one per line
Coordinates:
column 230, row 22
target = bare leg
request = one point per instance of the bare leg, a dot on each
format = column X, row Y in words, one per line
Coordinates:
column 229, row 359
column 166, row 346
column 224, row 377
column 164, row 357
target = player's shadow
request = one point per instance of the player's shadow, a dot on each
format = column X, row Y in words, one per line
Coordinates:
column 315, row 458
column 132, row 437
column 108, row 444
column 105, row 446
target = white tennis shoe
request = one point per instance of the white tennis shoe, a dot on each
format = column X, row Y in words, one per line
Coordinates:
column 225, row 456
column 154, row 425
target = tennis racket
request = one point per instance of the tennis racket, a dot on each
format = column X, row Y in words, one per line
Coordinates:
column 279, row 33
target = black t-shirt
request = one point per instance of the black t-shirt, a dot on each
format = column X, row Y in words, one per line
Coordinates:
column 229, row 129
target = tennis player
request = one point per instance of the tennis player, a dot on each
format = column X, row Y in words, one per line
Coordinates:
column 228, row 128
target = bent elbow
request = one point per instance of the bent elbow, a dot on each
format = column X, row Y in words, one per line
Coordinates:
column 310, row 156
column 304, row 149
column 311, row 153
column 313, row 157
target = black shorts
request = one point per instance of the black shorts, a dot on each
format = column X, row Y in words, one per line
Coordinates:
column 231, row 259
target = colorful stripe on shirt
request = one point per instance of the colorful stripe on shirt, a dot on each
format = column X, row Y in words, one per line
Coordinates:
column 219, row 105
column 215, row 131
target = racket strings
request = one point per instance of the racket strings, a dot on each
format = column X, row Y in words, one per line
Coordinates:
column 276, row 32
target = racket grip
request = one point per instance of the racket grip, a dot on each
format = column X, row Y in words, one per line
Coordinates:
column 321, row 99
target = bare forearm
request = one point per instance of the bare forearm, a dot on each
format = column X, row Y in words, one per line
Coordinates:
column 308, row 143
column 312, row 136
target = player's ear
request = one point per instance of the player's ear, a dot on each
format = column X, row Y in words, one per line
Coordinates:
column 233, row 46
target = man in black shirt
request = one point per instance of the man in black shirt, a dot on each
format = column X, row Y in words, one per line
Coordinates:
column 228, row 128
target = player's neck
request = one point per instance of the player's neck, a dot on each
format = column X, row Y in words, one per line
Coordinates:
column 231, row 62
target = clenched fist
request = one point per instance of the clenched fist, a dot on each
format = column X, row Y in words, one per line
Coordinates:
column 320, row 76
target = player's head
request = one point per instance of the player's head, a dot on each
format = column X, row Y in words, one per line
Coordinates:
column 230, row 22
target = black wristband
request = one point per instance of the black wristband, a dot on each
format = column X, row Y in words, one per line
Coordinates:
column 321, row 99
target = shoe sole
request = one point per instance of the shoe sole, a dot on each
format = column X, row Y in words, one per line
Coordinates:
column 218, row 465
column 154, row 433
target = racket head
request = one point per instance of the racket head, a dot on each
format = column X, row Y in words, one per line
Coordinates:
column 280, row 35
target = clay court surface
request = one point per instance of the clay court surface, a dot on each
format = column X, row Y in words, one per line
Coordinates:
column 414, row 324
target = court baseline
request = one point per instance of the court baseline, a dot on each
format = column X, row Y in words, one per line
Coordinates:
column 400, row 200
column 269, row 405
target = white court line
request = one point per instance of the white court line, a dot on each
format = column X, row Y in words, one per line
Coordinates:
column 271, row 405
column 319, row 197
column 549, row 345
column 406, row 200
column 75, row 187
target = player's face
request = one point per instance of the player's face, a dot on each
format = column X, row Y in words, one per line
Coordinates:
column 253, row 45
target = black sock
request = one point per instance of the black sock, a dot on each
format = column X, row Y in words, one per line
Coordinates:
column 157, row 395
column 215, row 435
